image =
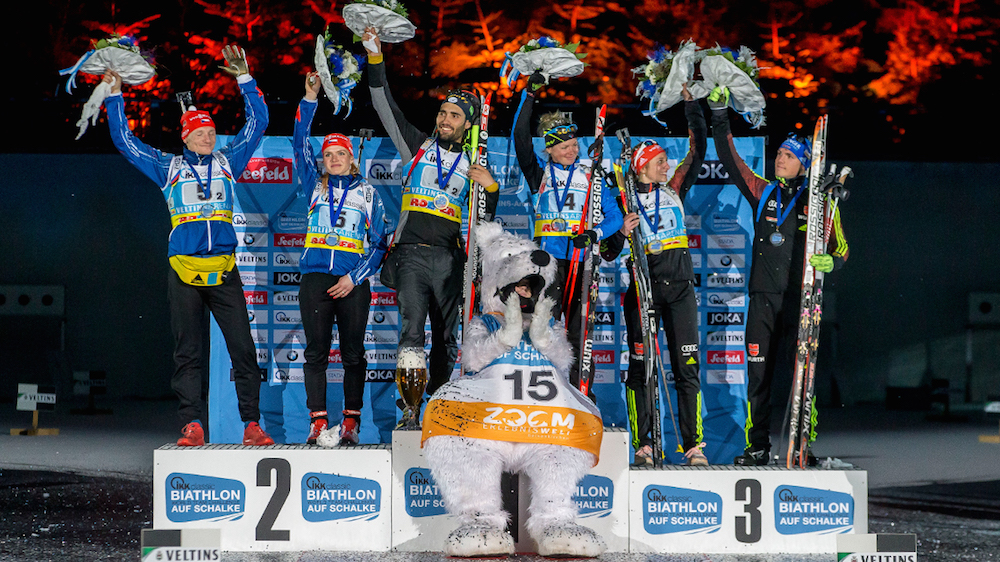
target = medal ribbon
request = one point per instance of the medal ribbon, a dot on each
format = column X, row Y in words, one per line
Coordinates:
column 443, row 180
column 655, row 225
column 206, row 189
column 781, row 216
column 569, row 179
column 334, row 215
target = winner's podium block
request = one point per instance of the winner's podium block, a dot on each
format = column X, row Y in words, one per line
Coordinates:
column 277, row 498
column 420, row 524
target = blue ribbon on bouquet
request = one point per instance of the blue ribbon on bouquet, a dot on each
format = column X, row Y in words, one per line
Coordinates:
column 73, row 70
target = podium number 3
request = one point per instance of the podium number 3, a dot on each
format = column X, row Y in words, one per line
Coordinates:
column 748, row 526
column 282, row 485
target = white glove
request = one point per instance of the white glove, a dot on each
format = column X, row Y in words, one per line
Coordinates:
column 510, row 334
column 541, row 334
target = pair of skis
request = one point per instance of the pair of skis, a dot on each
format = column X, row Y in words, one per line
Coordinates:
column 477, row 210
column 590, row 277
column 819, row 226
column 652, row 361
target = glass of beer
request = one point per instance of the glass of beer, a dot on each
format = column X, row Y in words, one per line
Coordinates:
column 411, row 380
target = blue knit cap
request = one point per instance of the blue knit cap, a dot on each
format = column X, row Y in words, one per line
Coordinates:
column 800, row 147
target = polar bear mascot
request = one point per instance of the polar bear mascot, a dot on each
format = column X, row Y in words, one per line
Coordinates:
column 517, row 413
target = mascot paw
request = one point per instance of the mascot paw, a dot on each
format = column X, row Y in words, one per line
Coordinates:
column 478, row 540
column 570, row 540
column 510, row 334
column 540, row 331
column 329, row 437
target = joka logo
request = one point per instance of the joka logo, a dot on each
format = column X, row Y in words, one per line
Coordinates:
column 666, row 509
column 725, row 318
column 594, row 496
column 287, row 240
column 713, row 173
column 267, row 170
column 255, row 297
column 193, row 497
column 382, row 172
column 694, row 241
column 604, row 357
column 332, row 497
column 380, row 375
column 754, row 349
column 287, row 277
column 422, row 496
column 604, row 318
column 383, row 299
column 727, row 357
column 799, row 510
column 726, row 300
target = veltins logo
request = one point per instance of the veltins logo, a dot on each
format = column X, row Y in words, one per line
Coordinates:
column 799, row 510
column 666, row 509
column 723, row 337
column 726, row 280
column 193, row 497
column 422, row 496
column 594, row 496
column 331, row 497
column 267, row 170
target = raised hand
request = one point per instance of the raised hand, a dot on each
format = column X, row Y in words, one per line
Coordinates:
column 371, row 41
column 113, row 78
column 236, row 60
column 312, row 86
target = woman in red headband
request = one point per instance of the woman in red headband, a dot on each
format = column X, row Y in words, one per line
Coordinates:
column 664, row 241
column 345, row 242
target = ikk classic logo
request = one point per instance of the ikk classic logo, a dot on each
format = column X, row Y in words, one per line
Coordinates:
column 421, row 496
column 331, row 497
column 193, row 497
column 799, row 510
column 594, row 496
column 666, row 509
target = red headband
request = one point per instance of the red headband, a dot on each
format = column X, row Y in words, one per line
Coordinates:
column 192, row 120
column 337, row 139
column 644, row 154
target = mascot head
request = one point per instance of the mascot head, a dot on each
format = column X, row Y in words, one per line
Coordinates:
column 511, row 264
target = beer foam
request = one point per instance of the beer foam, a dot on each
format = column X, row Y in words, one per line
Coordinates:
column 410, row 358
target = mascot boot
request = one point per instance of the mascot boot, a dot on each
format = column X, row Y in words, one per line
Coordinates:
column 515, row 411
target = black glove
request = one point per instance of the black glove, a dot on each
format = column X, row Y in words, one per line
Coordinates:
column 831, row 185
column 536, row 81
column 584, row 239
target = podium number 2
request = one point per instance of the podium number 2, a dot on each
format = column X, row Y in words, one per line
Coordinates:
column 748, row 526
column 282, row 485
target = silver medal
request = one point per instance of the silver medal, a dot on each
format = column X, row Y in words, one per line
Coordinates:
column 332, row 240
column 207, row 211
column 441, row 202
column 777, row 239
column 559, row 225
column 655, row 247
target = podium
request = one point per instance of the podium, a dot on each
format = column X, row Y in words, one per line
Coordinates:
column 380, row 498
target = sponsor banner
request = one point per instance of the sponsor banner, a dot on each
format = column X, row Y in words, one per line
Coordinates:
column 726, row 318
column 253, row 277
column 694, row 241
column 514, row 222
column 288, row 221
column 267, row 170
column 725, row 376
column 736, row 338
column 259, row 335
column 383, row 299
column 422, row 496
column 667, row 509
column 31, row 397
column 727, row 241
column 283, row 240
column 332, row 497
column 255, row 240
column 713, row 172
column 726, row 280
column 725, row 300
column 383, row 319
column 594, row 496
column 726, row 261
column 263, row 356
column 724, row 222
column 250, row 221
column 800, row 510
column 255, row 298
column 284, row 336
column 287, row 259
column 286, row 298
column 606, row 376
column 286, row 278
column 285, row 317
column 385, row 172
column 725, row 357
column 692, row 222
column 696, row 259
column 605, row 318
column 193, row 497
column 251, row 260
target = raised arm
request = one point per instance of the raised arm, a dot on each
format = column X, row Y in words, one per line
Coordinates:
column 523, row 147
column 404, row 135
column 305, row 158
column 687, row 171
column 147, row 159
column 250, row 136
column 750, row 184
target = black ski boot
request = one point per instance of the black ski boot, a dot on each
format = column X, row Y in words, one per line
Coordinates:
column 754, row 456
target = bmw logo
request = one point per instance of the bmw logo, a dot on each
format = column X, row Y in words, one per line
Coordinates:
column 378, row 317
column 248, row 239
column 292, row 355
column 250, row 315
column 726, row 261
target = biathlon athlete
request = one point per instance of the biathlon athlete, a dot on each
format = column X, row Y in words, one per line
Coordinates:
column 664, row 238
column 198, row 187
column 776, row 274
column 559, row 190
column 427, row 251
column 345, row 243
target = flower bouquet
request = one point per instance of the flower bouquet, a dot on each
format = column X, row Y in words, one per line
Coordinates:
column 664, row 75
column 736, row 70
column 120, row 53
column 388, row 17
column 545, row 55
column 339, row 71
